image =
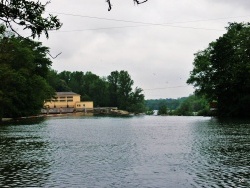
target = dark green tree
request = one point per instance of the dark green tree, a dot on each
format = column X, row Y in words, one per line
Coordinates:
column 96, row 89
column 29, row 15
column 163, row 109
column 122, row 95
column 90, row 86
column 125, row 89
column 137, row 102
column 222, row 71
column 172, row 104
column 56, row 82
column 66, row 76
column 23, row 72
column 113, row 80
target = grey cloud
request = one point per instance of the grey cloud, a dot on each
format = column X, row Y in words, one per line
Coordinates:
column 155, row 56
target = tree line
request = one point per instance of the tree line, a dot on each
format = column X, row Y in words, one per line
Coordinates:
column 184, row 106
column 27, row 80
column 115, row 90
column 221, row 72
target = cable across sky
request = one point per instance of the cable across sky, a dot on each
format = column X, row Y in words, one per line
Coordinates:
column 144, row 24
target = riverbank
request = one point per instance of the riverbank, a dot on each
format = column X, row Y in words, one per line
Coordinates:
column 64, row 113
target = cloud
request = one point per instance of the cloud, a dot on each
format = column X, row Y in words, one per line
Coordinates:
column 158, row 57
column 239, row 3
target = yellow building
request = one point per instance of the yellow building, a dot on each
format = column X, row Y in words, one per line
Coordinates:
column 68, row 100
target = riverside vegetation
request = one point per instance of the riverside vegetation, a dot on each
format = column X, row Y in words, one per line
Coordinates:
column 221, row 72
column 26, row 81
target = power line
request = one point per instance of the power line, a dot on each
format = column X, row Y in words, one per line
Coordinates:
column 166, row 88
column 144, row 23
column 147, row 23
column 122, row 27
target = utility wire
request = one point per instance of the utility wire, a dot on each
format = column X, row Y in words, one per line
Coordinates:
column 165, row 88
column 122, row 27
column 147, row 23
column 137, row 22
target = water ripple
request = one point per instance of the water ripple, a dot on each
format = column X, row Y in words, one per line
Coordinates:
column 126, row 152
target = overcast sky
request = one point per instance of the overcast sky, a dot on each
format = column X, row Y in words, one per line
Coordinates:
column 154, row 41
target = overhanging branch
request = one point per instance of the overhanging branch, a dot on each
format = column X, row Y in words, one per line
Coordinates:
column 135, row 1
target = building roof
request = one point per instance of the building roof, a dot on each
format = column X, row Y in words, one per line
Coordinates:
column 66, row 93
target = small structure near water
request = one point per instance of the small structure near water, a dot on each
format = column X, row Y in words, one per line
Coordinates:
column 67, row 102
column 70, row 102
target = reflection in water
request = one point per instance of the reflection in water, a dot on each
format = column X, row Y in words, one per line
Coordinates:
column 126, row 152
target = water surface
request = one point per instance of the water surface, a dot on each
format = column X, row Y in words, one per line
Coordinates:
column 146, row 151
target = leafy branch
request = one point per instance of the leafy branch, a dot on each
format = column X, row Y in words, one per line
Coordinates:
column 28, row 15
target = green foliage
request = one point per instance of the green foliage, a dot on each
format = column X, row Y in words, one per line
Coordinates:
column 193, row 105
column 29, row 15
column 163, row 109
column 113, row 80
column 185, row 106
column 115, row 91
column 136, row 102
column 172, row 104
column 58, row 84
column 23, row 72
column 120, row 87
column 121, row 94
column 221, row 72
column 150, row 112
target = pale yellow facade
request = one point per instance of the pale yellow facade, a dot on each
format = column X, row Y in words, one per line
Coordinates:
column 84, row 105
column 68, row 100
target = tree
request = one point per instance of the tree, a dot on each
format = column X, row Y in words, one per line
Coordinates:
column 125, row 89
column 95, row 89
column 121, row 94
column 113, row 80
column 193, row 105
column 162, row 109
column 137, row 102
column 56, row 82
column 172, row 104
column 135, row 1
column 29, row 15
column 90, row 86
column 23, row 72
column 120, row 87
column 113, row 91
column 222, row 71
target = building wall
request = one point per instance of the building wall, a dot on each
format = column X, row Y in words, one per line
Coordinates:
column 63, row 101
column 84, row 105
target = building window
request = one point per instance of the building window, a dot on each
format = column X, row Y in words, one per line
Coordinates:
column 62, row 100
column 70, row 100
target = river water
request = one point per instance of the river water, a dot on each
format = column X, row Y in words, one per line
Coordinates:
column 145, row 151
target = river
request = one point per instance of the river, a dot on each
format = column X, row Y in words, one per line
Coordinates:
column 143, row 151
